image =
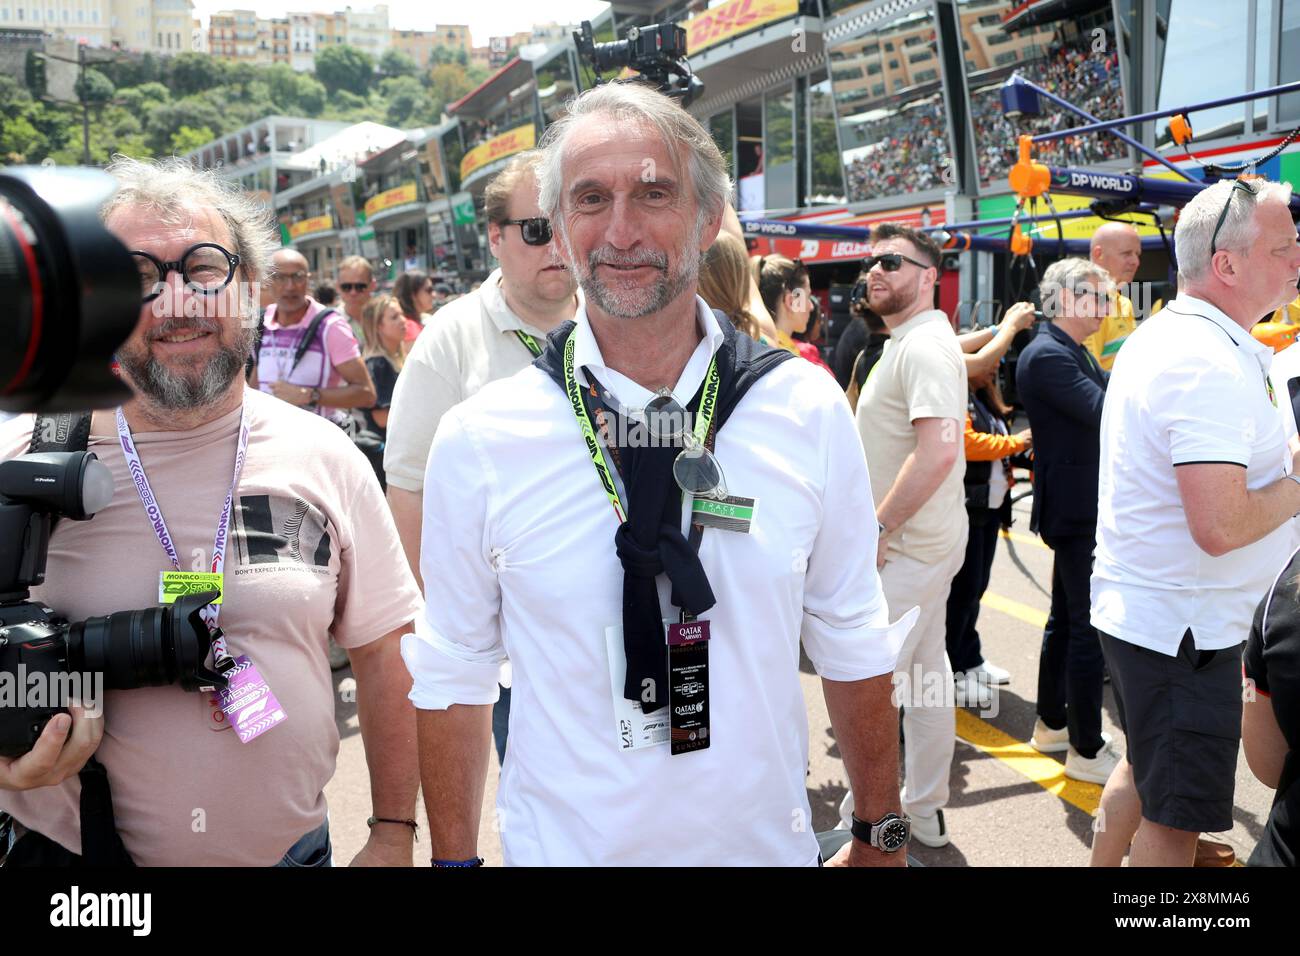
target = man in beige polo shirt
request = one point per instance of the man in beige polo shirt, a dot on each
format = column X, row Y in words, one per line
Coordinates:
column 911, row 416
column 489, row 334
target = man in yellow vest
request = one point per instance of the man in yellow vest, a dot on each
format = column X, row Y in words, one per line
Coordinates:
column 1117, row 248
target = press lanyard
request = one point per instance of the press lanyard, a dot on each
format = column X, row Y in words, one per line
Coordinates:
column 703, row 420
column 152, row 509
column 530, row 343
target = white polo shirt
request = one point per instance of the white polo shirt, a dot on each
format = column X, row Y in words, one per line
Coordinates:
column 1190, row 385
column 519, row 560
column 467, row 344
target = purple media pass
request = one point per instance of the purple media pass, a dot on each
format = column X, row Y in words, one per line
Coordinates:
column 691, row 632
column 248, row 703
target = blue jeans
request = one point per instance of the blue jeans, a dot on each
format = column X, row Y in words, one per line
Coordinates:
column 501, row 723
column 314, row 849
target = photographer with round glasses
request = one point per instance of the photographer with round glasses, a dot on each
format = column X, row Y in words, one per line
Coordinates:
column 269, row 506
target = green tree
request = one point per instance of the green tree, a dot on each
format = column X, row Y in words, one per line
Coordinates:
column 20, row 141
column 282, row 86
column 95, row 89
column 395, row 62
column 191, row 72
column 405, row 101
column 447, row 84
column 166, row 121
column 34, row 73
column 141, row 100
column 12, row 94
column 187, row 138
column 344, row 68
column 310, row 95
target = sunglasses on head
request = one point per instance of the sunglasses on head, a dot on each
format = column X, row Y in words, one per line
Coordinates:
column 890, row 262
column 535, row 232
column 1236, row 185
column 354, row 286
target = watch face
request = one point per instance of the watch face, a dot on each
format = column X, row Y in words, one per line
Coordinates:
column 893, row 835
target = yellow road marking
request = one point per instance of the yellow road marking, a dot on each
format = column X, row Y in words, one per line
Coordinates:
column 1028, row 762
column 1020, row 757
column 1031, row 539
column 1021, row 612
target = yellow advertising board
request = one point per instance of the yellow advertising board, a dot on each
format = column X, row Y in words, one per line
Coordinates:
column 498, row 147
column 398, row 196
column 732, row 18
column 305, row 227
column 1045, row 230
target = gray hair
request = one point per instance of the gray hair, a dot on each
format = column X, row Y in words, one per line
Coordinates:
column 1073, row 273
column 1196, row 222
column 636, row 104
column 171, row 187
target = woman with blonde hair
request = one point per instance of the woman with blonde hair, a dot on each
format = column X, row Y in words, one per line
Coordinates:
column 384, row 327
column 724, row 283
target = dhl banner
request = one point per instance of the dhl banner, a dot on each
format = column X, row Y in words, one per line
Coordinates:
column 737, row 16
column 498, row 147
column 397, row 196
column 305, row 227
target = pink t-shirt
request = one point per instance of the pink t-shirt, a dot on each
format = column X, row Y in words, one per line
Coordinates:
column 312, row 553
column 333, row 345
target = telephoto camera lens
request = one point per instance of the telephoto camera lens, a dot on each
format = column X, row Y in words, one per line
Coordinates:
column 71, row 291
column 149, row 647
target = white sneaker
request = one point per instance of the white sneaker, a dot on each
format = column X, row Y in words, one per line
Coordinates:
column 1048, row 741
column 970, row 690
column 994, row 674
column 931, row 830
column 1095, row 770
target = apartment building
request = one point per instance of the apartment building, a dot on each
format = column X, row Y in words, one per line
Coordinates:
column 147, row 26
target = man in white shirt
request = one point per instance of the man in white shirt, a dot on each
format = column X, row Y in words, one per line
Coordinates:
column 524, row 508
column 489, row 334
column 1195, row 498
column 911, row 417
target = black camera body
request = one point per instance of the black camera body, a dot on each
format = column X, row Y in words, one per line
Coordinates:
column 48, row 657
column 657, row 52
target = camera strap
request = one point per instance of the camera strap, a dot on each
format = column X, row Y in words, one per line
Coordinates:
column 101, row 845
column 65, row 431
column 151, row 507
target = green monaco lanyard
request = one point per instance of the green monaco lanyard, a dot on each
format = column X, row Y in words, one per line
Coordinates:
column 530, row 343
column 703, row 420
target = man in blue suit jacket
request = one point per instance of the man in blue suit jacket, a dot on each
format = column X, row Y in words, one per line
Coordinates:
column 1063, row 389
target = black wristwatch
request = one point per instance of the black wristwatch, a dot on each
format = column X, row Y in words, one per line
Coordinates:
column 889, row 834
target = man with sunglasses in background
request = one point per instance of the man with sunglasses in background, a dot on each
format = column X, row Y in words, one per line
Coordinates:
column 653, row 464
column 356, row 282
column 1194, row 520
column 911, row 416
column 1063, row 388
column 486, row 335
column 308, row 355
column 302, row 549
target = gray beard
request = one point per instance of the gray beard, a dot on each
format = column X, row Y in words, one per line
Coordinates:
column 635, row 303
column 186, row 392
